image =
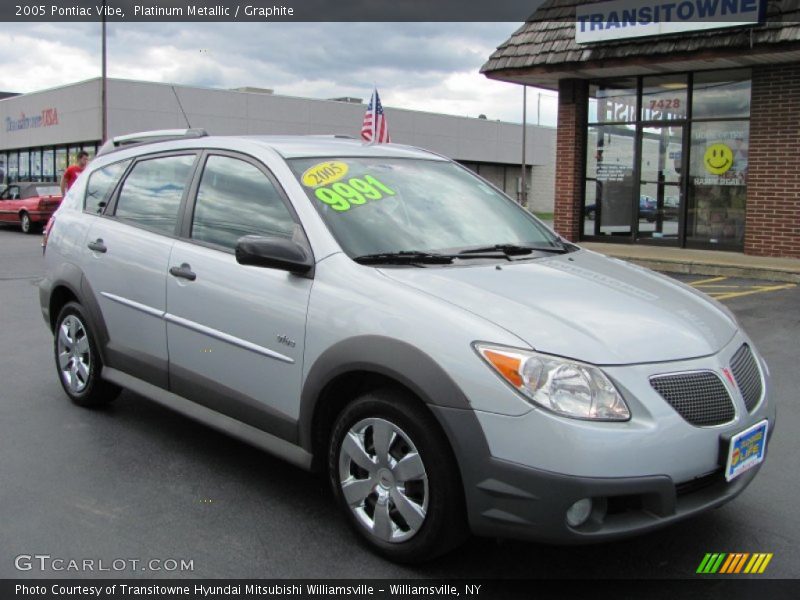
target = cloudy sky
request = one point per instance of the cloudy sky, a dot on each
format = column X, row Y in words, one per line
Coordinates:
column 423, row 66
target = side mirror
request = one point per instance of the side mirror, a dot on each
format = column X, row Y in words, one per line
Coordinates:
column 274, row 253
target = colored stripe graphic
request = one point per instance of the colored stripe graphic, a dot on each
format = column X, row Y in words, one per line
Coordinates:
column 741, row 562
column 728, row 564
column 765, row 563
column 732, row 558
column 711, row 563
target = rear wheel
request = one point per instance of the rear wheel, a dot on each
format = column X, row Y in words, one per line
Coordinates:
column 395, row 477
column 25, row 223
column 78, row 361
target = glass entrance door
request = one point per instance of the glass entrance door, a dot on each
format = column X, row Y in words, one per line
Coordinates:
column 660, row 200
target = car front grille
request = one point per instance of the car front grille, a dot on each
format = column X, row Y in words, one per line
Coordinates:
column 700, row 397
column 748, row 377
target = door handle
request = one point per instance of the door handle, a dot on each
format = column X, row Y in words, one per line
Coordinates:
column 184, row 272
column 98, row 246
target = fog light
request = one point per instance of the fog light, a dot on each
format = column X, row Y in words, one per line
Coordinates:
column 579, row 513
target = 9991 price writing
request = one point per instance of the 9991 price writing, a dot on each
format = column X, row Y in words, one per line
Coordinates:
column 341, row 196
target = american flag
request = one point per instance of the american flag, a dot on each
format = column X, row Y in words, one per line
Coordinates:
column 374, row 128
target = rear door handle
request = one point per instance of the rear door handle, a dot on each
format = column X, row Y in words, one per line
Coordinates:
column 184, row 272
column 98, row 246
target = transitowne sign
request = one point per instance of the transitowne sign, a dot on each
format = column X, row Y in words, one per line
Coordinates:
column 621, row 19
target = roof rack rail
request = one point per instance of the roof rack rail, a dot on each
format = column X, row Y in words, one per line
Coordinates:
column 337, row 136
column 149, row 137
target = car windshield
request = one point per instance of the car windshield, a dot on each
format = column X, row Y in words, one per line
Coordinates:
column 376, row 205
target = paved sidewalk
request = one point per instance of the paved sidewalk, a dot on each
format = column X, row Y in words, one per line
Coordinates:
column 703, row 262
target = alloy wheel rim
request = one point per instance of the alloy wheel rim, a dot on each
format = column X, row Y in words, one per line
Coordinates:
column 74, row 358
column 26, row 222
column 383, row 480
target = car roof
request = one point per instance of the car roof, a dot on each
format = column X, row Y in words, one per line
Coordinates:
column 303, row 146
column 287, row 146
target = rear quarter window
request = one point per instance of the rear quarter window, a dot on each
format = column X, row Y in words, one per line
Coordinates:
column 101, row 183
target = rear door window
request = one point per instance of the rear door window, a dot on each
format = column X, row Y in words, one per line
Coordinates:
column 151, row 193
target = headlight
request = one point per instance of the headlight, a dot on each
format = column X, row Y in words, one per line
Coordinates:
column 566, row 387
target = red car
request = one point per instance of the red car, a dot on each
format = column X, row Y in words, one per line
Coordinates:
column 29, row 203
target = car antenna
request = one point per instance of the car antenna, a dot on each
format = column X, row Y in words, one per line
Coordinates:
column 185, row 118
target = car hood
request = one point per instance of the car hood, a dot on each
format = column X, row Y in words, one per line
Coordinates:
column 584, row 306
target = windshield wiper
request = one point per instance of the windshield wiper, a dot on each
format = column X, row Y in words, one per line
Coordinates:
column 410, row 257
column 515, row 250
column 404, row 257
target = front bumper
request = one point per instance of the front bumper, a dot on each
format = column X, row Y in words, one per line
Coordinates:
column 506, row 499
column 522, row 473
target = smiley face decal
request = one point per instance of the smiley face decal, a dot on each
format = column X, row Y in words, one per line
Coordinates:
column 718, row 158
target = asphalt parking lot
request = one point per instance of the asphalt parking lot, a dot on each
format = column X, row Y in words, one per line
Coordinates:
column 137, row 481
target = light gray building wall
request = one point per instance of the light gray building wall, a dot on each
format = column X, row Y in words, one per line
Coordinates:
column 492, row 148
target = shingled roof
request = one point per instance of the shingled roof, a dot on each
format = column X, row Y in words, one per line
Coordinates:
column 543, row 50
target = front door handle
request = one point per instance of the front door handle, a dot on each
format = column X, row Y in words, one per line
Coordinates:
column 184, row 272
column 98, row 246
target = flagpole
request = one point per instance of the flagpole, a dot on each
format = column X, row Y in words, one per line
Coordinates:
column 374, row 104
column 103, row 87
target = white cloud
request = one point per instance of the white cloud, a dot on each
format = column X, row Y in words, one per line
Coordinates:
column 422, row 66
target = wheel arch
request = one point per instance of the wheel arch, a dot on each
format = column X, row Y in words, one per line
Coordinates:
column 69, row 284
column 357, row 365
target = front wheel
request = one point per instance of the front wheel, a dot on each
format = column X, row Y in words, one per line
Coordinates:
column 78, row 361
column 395, row 477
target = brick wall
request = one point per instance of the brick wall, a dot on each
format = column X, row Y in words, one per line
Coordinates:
column 773, row 180
column 570, row 149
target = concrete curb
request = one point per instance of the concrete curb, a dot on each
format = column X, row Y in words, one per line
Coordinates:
column 703, row 262
column 716, row 270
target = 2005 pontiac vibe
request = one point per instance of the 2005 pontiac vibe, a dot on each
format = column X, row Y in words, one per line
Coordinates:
column 382, row 314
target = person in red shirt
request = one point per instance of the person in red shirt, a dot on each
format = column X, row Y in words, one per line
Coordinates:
column 72, row 172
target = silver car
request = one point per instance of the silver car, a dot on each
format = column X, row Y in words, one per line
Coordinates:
column 383, row 315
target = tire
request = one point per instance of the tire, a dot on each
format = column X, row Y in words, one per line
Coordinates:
column 78, row 362
column 25, row 223
column 407, row 514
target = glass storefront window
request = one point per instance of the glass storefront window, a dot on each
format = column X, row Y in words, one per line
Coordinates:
column 48, row 165
column 610, row 167
column 666, row 158
column 36, row 165
column 659, row 190
column 721, row 94
column 61, row 162
column 23, row 166
column 613, row 101
column 664, row 97
column 717, row 182
column 13, row 167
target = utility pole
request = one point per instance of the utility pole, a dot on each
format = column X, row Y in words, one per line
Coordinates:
column 523, row 195
column 103, row 79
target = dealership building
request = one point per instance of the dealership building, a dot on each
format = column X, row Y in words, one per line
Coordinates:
column 683, row 132
column 42, row 132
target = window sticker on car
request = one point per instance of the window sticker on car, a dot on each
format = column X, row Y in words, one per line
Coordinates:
column 342, row 196
column 324, row 173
